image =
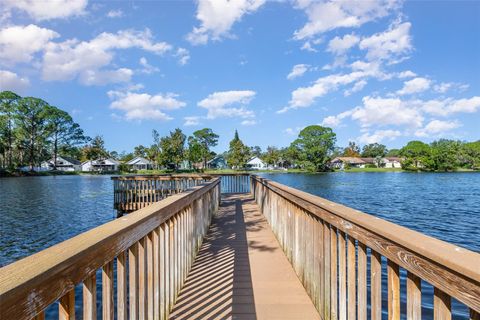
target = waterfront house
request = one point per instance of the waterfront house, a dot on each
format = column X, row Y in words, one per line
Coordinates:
column 391, row 162
column 101, row 165
column 342, row 162
column 62, row 163
column 140, row 163
column 256, row 164
column 219, row 162
column 370, row 161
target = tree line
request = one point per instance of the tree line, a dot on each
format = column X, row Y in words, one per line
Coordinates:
column 32, row 131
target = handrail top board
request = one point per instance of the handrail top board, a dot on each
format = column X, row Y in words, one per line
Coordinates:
column 54, row 271
column 176, row 176
column 458, row 259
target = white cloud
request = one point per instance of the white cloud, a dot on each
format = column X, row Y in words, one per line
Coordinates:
column 86, row 59
column 415, row 85
column 358, row 86
column 191, row 121
column 379, row 136
column 334, row 121
column 143, row 106
column 20, row 43
column 228, row 104
column 12, row 82
column 147, row 68
column 389, row 45
column 341, row 45
column 183, row 56
column 297, row 71
column 248, row 123
column 103, row 77
column 328, row 15
column 218, row 16
column 387, row 111
column 436, row 127
column 406, row 74
column 115, row 13
column 46, row 10
column 293, row 131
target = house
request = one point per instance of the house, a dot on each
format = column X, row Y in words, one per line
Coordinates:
column 371, row 161
column 391, row 162
column 256, row 164
column 219, row 162
column 101, row 165
column 342, row 162
column 62, row 163
column 139, row 163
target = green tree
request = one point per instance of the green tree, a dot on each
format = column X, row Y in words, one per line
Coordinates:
column 206, row 138
column 96, row 149
column 8, row 106
column 238, row 153
column 272, row 156
column 140, row 151
column 194, row 151
column 373, row 150
column 173, row 148
column 256, row 151
column 471, row 155
column 64, row 132
column 445, row 154
column 393, row 153
column 31, row 118
column 353, row 150
column 314, row 146
column 417, row 155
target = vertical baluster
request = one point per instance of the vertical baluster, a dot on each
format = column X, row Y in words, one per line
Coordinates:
column 414, row 297
column 334, row 276
column 66, row 306
column 322, row 266
column 326, row 252
column 107, row 291
column 172, row 254
column 90, row 298
column 156, row 273
column 351, row 278
column 342, row 277
column 122, row 286
column 150, row 275
column 393, row 291
column 362, row 282
column 474, row 315
column 40, row 316
column 376, row 285
column 142, row 279
column 442, row 305
column 163, row 272
column 133, row 280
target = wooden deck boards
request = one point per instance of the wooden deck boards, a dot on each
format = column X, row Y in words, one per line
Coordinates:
column 241, row 272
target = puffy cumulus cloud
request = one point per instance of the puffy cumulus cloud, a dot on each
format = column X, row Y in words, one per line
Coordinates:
column 415, row 85
column 47, row 10
column 328, row 15
column 437, row 127
column 20, row 43
column 443, row 87
column 358, row 86
column 449, row 106
column 183, row 56
column 147, row 68
column 12, row 82
column 218, row 16
column 387, row 111
column 406, row 74
column 297, row 71
column 390, row 45
column 103, row 77
column 334, row 121
column 86, row 59
column 228, row 104
column 341, row 45
column 191, row 121
column 143, row 106
column 293, row 131
column 115, row 13
column 379, row 136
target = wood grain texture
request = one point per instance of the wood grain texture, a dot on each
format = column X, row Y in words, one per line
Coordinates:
column 133, row 281
column 376, row 285
column 351, row 278
column 107, row 291
column 122, row 286
column 414, row 297
column 90, row 298
column 393, row 274
column 66, row 306
column 362, row 282
column 442, row 305
column 342, row 276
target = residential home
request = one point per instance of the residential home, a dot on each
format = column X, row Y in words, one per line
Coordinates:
column 371, row 161
column 391, row 162
column 219, row 162
column 256, row 164
column 62, row 163
column 101, row 165
column 139, row 163
column 342, row 162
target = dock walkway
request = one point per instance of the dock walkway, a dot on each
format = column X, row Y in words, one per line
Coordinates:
column 241, row 272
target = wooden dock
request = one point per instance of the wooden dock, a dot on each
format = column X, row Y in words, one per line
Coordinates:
column 241, row 247
column 241, row 272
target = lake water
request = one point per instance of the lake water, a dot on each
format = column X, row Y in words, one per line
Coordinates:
column 38, row 212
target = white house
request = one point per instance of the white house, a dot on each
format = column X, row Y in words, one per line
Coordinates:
column 256, row 164
column 101, row 165
column 341, row 162
column 63, row 163
column 139, row 163
column 391, row 162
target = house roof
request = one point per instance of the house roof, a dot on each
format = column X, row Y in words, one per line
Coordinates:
column 68, row 159
column 368, row 160
column 394, row 159
column 260, row 160
column 139, row 160
column 349, row 160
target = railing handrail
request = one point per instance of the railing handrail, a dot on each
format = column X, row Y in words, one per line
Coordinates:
column 51, row 273
column 170, row 176
column 462, row 263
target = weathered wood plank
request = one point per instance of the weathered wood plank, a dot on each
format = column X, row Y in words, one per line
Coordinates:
column 442, row 305
column 133, row 281
column 334, row 274
column 66, row 306
column 122, row 286
column 342, row 277
column 362, row 282
column 393, row 274
column 107, row 291
column 376, row 285
column 414, row 297
column 351, row 278
column 90, row 298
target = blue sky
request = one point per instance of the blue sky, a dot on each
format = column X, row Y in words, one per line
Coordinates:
column 375, row 71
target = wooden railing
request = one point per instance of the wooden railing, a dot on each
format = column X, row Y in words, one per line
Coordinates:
column 143, row 259
column 338, row 253
column 235, row 183
column 134, row 192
